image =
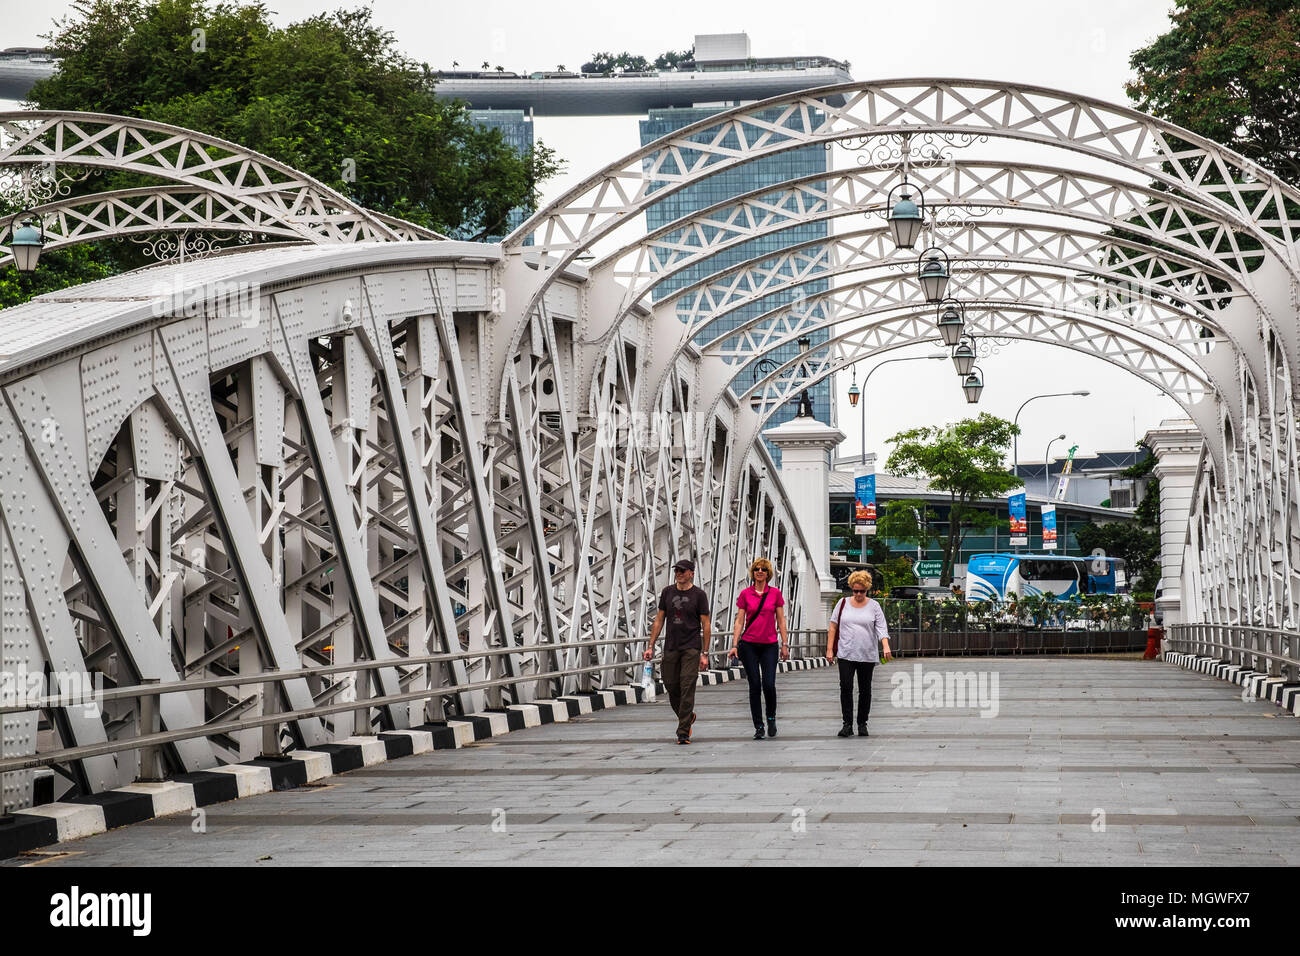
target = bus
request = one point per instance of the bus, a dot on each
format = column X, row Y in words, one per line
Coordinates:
column 995, row 577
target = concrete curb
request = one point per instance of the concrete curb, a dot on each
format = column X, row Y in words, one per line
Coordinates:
column 1286, row 694
column 57, row 822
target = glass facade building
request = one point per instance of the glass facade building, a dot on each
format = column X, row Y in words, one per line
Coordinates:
column 768, row 171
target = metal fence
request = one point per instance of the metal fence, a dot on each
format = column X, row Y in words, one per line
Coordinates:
column 1265, row 650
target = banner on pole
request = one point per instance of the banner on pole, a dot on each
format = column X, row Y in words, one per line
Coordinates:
column 864, row 501
column 1019, row 520
column 1049, row 527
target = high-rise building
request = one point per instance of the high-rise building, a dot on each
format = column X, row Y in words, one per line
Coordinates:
column 768, row 171
column 722, row 75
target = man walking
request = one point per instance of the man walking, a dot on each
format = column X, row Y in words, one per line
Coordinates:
column 686, row 609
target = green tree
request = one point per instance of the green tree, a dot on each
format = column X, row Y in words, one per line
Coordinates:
column 1138, row 544
column 672, row 60
column 1139, row 548
column 1230, row 71
column 966, row 461
column 606, row 63
column 330, row 95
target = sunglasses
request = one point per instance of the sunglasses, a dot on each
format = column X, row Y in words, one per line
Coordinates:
column 859, row 590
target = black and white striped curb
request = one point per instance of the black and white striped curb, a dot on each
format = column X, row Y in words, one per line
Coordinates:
column 1284, row 693
column 58, row 821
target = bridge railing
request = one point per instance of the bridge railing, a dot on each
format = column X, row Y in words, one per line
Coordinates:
column 142, row 733
column 1267, row 650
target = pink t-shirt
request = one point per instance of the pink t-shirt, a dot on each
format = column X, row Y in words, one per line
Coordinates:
column 763, row 630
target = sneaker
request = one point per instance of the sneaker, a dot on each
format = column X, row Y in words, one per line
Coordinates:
column 690, row 725
column 845, row 731
column 862, row 729
column 758, row 732
column 683, row 738
column 771, row 726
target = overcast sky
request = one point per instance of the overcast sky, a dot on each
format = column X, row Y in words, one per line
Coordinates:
column 1073, row 45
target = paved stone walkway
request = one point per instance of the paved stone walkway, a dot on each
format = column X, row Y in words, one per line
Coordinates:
column 1183, row 770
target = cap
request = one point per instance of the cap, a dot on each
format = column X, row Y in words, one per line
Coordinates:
column 685, row 564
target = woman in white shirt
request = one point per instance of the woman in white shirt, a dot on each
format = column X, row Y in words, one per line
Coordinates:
column 857, row 636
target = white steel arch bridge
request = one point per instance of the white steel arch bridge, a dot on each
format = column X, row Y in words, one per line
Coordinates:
column 368, row 476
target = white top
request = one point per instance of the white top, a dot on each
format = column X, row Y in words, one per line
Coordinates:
column 861, row 629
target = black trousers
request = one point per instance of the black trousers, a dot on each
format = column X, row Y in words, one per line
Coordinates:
column 863, row 670
column 760, row 669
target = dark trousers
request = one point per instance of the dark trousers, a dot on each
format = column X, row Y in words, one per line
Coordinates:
column 863, row 670
column 681, row 669
column 760, row 669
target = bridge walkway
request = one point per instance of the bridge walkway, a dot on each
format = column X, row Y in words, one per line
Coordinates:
column 1080, row 761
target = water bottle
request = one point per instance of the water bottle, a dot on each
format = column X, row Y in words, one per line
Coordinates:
column 648, row 680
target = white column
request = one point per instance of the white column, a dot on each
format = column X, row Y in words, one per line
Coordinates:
column 805, row 445
column 1176, row 443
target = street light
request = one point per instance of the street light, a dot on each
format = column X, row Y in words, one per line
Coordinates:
column 1047, row 467
column 855, row 394
column 1015, row 467
column 767, row 366
column 963, row 355
column 951, row 321
column 973, row 385
column 26, row 242
column 933, row 270
column 905, row 216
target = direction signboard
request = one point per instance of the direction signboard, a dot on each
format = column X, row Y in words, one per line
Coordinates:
column 928, row 569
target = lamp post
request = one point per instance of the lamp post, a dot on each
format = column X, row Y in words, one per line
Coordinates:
column 963, row 355
column 1047, row 466
column 905, row 216
column 1015, row 467
column 26, row 241
column 933, row 270
column 855, row 395
column 951, row 321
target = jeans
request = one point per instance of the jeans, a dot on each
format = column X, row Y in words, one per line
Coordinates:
column 863, row 670
column 681, row 669
column 760, row 669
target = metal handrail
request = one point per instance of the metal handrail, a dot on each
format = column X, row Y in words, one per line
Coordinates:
column 145, row 741
column 1266, row 650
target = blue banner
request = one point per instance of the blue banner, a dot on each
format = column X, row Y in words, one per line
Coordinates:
column 1049, row 527
column 1019, row 519
column 864, row 503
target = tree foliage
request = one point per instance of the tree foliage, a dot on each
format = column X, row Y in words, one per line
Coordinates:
column 1230, row 71
column 330, row 95
column 966, row 460
column 604, row 64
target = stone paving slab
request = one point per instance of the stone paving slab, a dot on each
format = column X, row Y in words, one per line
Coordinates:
column 1088, row 762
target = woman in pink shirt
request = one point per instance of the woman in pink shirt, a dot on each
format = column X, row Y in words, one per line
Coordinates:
column 754, row 641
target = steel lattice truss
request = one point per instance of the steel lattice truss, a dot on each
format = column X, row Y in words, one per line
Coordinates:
column 207, row 184
column 318, row 466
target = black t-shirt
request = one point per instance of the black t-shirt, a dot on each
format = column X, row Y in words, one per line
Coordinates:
column 682, row 612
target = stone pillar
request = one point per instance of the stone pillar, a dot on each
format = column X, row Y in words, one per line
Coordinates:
column 1176, row 443
column 806, row 445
